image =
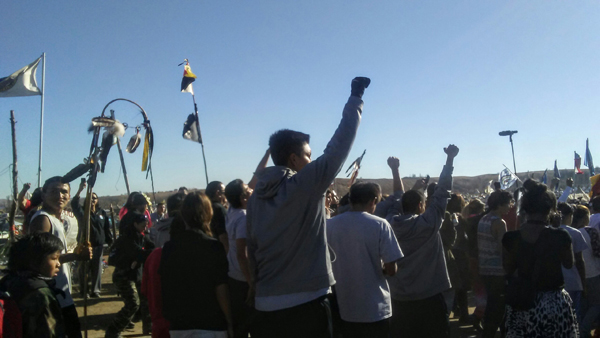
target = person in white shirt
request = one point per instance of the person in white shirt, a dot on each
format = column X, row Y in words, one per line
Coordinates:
column 366, row 251
column 591, row 257
column 575, row 276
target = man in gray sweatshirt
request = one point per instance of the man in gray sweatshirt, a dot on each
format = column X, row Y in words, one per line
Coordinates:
column 419, row 309
column 287, row 249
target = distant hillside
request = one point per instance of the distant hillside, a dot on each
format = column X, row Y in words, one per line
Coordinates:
column 462, row 184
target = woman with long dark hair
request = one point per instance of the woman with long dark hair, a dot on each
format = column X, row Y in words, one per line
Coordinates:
column 537, row 303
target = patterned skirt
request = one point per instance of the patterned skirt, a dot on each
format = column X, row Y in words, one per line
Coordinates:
column 552, row 317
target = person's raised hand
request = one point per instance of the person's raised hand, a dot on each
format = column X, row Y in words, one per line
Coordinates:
column 82, row 185
column 393, row 162
column 419, row 184
column 26, row 186
column 358, row 86
column 570, row 182
column 451, row 150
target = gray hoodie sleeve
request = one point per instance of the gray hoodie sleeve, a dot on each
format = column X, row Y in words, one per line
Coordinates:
column 434, row 214
column 320, row 173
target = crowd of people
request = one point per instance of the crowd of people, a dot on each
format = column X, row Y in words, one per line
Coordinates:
column 283, row 256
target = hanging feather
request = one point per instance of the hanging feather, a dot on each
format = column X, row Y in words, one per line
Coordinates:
column 101, row 122
column 117, row 129
column 108, row 140
column 134, row 142
column 151, row 133
column 76, row 172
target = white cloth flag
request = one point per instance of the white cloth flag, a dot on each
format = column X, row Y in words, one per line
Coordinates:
column 507, row 179
column 22, row 82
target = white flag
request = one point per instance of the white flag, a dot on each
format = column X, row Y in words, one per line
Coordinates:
column 507, row 179
column 22, row 82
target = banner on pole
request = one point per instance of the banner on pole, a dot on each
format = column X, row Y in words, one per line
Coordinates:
column 22, row 82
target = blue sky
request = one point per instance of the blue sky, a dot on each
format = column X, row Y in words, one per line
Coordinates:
column 442, row 72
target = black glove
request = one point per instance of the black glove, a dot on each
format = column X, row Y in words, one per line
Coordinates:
column 358, row 86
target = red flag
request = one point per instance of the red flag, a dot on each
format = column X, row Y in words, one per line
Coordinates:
column 578, row 163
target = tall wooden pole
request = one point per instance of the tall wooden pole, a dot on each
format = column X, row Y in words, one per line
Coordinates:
column 13, row 208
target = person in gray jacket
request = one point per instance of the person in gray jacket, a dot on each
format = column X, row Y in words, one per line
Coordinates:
column 419, row 309
column 287, row 248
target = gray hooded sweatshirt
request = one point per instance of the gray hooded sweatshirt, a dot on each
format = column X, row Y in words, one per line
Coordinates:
column 287, row 247
column 422, row 272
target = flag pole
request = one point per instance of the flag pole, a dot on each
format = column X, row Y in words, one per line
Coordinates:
column 200, row 136
column 42, row 118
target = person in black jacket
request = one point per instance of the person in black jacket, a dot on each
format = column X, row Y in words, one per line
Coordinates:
column 193, row 276
column 99, row 235
column 128, row 255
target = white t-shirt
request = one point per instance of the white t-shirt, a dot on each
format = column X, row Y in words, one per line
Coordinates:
column 592, row 263
column 595, row 221
column 362, row 243
column 571, row 276
column 236, row 229
column 63, row 279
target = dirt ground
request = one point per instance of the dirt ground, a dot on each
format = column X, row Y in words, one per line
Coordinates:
column 101, row 311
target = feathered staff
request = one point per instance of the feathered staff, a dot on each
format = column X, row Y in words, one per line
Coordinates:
column 353, row 169
column 135, row 141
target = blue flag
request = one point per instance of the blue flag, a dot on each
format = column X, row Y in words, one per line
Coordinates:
column 556, row 172
column 588, row 162
column 545, row 177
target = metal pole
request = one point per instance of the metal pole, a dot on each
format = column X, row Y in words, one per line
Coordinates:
column 513, row 155
column 13, row 208
column 200, row 137
column 42, row 119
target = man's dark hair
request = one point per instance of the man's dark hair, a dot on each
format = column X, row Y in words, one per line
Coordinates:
column 29, row 251
column 36, row 197
column 565, row 209
column 285, row 142
column 234, row 191
column 411, row 200
column 364, row 192
column 174, row 203
column 499, row 198
column 212, row 188
column 595, row 204
column 537, row 199
column 53, row 180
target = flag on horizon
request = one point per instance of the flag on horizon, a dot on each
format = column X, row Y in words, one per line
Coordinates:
column 578, row 163
column 545, row 177
column 188, row 79
column 556, row 172
column 588, row 162
column 507, row 179
column 22, row 82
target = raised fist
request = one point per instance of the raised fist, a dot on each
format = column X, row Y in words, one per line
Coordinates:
column 393, row 162
column 358, row 86
column 451, row 150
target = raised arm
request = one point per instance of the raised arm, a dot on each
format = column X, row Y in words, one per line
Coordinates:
column 383, row 208
column 319, row 174
column 434, row 214
column 21, row 196
column 261, row 165
column 568, row 190
column 394, row 164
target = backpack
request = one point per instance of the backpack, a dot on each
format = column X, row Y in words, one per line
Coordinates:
column 11, row 322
